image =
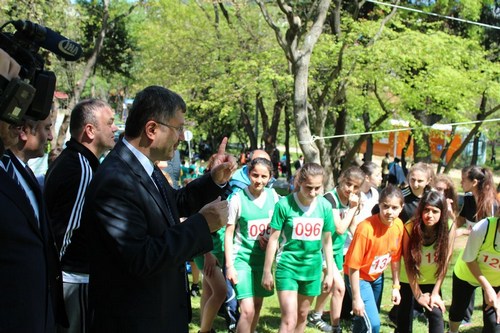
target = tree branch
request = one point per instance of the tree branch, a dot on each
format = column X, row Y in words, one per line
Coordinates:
column 276, row 29
column 382, row 25
column 312, row 36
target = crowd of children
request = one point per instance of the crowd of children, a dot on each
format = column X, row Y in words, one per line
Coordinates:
column 336, row 245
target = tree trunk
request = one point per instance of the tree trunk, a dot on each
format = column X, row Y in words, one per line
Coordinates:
column 482, row 116
column 475, row 148
column 247, row 125
column 88, row 70
column 300, row 73
column 403, row 153
column 287, row 143
column 355, row 148
column 448, row 140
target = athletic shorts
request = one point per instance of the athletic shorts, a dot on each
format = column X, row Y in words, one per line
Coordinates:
column 250, row 284
column 200, row 261
column 306, row 288
column 339, row 261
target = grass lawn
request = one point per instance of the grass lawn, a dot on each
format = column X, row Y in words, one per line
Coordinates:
column 270, row 314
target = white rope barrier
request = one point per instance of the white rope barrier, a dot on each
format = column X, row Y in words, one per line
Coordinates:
column 434, row 14
column 314, row 137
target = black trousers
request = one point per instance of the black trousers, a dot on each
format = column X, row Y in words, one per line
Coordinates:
column 405, row 312
column 461, row 296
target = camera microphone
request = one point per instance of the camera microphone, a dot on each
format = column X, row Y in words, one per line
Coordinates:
column 50, row 40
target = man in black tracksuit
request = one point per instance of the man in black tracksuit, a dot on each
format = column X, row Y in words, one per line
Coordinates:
column 92, row 134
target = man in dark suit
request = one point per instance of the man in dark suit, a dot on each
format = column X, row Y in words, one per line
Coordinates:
column 138, row 248
column 30, row 283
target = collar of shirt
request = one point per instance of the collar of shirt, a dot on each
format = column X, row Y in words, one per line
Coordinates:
column 143, row 159
column 27, row 188
column 20, row 161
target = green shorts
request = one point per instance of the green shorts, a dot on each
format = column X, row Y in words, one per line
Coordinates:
column 200, row 261
column 306, row 288
column 250, row 284
column 339, row 261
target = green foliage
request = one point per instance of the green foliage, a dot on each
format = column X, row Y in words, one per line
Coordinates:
column 218, row 66
column 117, row 54
column 220, row 56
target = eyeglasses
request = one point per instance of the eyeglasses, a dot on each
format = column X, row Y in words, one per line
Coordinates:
column 180, row 129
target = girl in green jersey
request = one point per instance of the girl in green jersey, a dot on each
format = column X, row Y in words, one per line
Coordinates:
column 303, row 221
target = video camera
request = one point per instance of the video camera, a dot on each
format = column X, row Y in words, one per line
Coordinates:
column 30, row 97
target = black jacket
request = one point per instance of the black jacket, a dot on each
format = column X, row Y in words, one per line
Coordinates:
column 65, row 184
column 30, row 276
column 139, row 249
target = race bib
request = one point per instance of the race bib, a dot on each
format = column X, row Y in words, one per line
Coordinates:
column 307, row 229
column 380, row 263
column 490, row 259
column 429, row 256
column 258, row 228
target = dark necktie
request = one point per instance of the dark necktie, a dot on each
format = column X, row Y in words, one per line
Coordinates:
column 160, row 182
column 31, row 174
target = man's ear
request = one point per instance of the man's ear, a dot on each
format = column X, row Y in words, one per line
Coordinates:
column 150, row 129
column 89, row 131
column 23, row 133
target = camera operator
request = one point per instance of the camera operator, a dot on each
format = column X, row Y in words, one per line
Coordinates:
column 9, row 133
column 30, row 276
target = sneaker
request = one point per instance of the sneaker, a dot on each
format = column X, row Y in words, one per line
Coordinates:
column 195, row 290
column 315, row 320
column 465, row 323
column 336, row 329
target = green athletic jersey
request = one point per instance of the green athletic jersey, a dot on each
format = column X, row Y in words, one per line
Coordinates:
column 252, row 224
column 338, row 240
column 299, row 256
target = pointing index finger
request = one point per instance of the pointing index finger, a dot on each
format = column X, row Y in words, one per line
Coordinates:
column 222, row 146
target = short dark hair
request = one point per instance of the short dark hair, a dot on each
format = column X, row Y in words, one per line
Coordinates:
column 152, row 103
column 391, row 191
column 85, row 113
column 260, row 161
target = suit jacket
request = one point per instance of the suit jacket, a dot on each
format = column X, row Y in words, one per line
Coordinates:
column 30, row 276
column 138, row 248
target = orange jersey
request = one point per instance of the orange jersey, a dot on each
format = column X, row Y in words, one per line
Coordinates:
column 373, row 247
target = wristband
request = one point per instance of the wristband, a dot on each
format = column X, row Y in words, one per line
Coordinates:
column 396, row 286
